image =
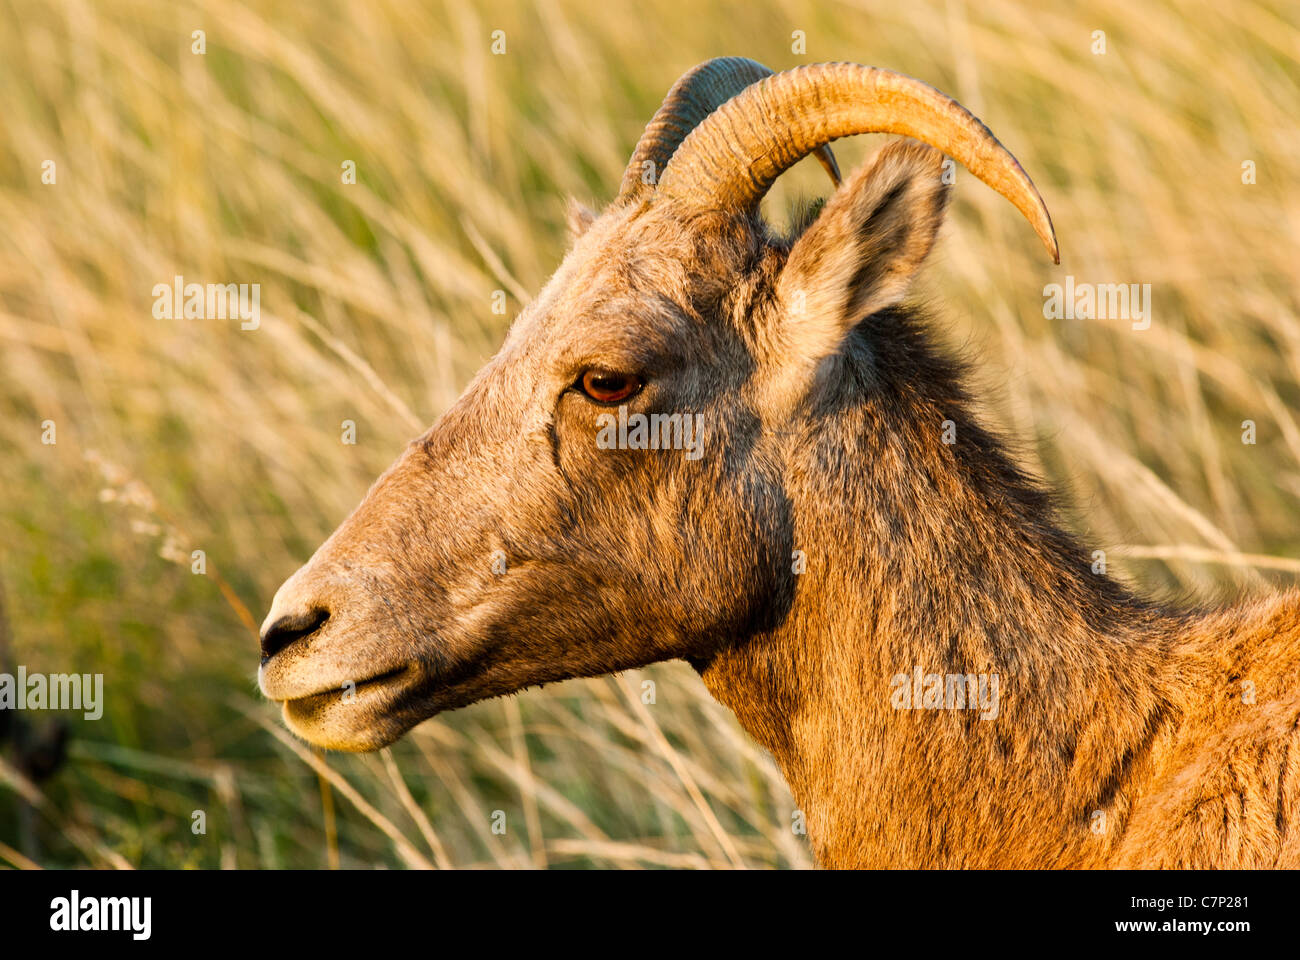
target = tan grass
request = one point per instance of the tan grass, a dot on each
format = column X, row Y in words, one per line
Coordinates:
column 377, row 308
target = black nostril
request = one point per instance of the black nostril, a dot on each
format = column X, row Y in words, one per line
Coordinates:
column 291, row 627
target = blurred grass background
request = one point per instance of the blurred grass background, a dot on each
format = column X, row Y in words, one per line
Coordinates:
column 376, row 306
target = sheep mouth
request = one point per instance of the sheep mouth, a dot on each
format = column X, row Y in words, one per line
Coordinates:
column 370, row 685
column 373, row 713
column 365, row 715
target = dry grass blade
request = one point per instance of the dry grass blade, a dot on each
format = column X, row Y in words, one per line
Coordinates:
column 377, row 306
column 405, row 848
column 666, row 750
column 413, row 808
column 1185, row 551
column 17, row 859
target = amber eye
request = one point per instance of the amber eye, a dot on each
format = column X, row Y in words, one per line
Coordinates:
column 606, row 386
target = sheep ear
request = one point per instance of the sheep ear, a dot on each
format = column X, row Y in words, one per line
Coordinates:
column 579, row 218
column 863, row 250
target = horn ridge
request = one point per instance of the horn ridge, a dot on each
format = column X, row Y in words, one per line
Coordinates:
column 734, row 155
column 696, row 94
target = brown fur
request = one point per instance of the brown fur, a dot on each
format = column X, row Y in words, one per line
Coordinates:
column 1122, row 736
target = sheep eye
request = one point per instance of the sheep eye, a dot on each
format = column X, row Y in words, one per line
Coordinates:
column 606, row 386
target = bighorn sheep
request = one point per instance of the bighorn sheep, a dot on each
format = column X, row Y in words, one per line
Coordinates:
column 827, row 563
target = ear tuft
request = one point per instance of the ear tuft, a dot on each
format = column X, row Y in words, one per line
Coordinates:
column 578, row 217
column 862, row 253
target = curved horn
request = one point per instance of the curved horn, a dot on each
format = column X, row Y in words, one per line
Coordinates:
column 735, row 154
column 697, row 93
